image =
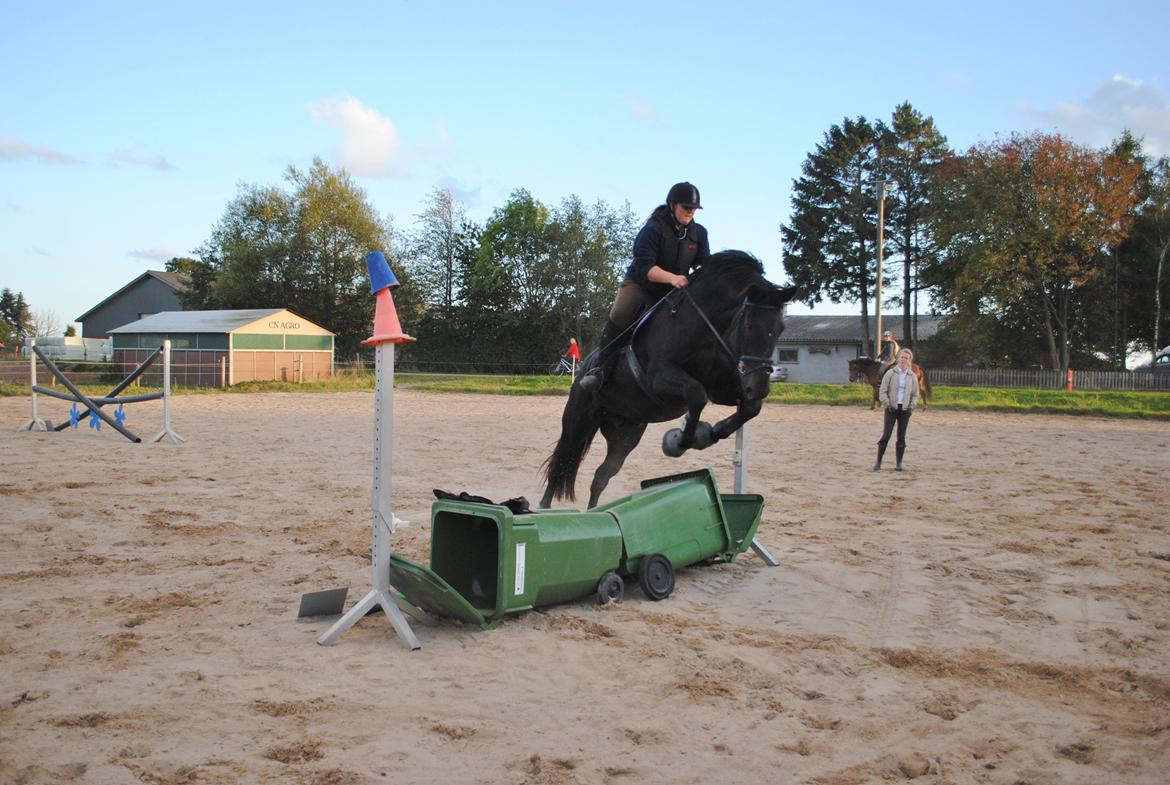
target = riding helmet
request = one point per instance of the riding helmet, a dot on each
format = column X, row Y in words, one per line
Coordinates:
column 685, row 194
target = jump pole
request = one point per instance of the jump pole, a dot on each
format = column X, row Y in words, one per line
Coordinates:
column 387, row 332
column 739, row 459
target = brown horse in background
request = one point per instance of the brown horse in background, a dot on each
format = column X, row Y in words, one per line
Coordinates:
column 868, row 369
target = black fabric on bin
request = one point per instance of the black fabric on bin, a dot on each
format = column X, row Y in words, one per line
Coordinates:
column 518, row 505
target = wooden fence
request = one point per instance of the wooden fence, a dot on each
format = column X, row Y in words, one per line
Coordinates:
column 1052, row 380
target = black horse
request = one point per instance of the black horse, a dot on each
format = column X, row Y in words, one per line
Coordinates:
column 711, row 341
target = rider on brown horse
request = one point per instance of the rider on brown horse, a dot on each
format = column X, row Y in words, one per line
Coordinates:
column 888, row 354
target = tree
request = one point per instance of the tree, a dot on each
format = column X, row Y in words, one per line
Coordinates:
column 436, row 246
column 302, row 249
column 15, row 318
column 1025, row 225
column 1142, row 261
column 912, row 151
column 829, row 246
column 70, row 331
column 44, row 322
column 589, row 247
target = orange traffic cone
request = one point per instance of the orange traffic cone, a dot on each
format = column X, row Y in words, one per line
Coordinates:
column 386, row 325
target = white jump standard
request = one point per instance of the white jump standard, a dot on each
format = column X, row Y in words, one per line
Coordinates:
column 387, row 332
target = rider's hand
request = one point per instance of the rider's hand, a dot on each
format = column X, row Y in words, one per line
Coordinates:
column 679, row 281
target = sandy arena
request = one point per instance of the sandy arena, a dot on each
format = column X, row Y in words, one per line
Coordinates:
column 996, row 614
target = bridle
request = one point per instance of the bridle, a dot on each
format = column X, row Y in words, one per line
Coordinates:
column 746, row 364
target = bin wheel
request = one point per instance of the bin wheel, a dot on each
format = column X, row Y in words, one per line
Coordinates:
column 611, row 588
column 656, row 576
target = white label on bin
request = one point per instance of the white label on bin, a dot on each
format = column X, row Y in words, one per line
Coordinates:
column 520, row 549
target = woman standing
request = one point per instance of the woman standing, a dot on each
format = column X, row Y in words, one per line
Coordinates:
column 898, row 394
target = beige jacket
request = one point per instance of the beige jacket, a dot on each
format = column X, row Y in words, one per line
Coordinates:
column 888, row 392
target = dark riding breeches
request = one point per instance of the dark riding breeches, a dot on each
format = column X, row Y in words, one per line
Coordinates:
column 631, row 300
column 902, row 418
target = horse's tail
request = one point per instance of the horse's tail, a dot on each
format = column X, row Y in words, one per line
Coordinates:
column 579, row 424
column 928, row 394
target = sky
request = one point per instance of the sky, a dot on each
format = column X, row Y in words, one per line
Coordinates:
column 126, row 128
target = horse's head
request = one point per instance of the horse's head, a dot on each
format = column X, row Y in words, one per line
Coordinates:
column 753, row 335
column 860, row 369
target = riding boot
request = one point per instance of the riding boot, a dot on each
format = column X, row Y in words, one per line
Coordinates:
column 877, row 466
column 607, row 350
column 899, row 451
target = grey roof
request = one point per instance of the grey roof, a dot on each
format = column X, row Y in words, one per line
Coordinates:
column 177, row 281
column 196, row 321
column 809, row 328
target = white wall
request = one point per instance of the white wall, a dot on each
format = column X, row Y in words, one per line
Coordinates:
column 813, row 365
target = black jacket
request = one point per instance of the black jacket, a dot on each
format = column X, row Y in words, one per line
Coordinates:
column 660, row 243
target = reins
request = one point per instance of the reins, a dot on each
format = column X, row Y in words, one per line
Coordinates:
column 740, row 362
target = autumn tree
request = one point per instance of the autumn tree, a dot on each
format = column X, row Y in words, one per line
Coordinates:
column 1026, row 221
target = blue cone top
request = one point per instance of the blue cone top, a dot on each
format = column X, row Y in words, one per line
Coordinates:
column 380, row 273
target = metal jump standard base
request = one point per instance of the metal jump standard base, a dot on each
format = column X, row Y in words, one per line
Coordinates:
column 383, row 516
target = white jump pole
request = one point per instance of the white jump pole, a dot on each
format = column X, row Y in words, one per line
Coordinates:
column 739, row 459
column 35, row 423
column 387, row 332
column 167, row 432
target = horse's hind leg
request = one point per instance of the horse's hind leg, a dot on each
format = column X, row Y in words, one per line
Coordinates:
column 621, row 437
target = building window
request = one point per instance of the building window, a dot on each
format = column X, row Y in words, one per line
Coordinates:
column 787, row 355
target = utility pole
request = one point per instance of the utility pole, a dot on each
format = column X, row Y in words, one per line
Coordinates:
column 882, row 189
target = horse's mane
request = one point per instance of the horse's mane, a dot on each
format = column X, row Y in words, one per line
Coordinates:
column 730, row 269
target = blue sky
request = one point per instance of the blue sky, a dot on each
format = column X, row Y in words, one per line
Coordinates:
column 126, row 128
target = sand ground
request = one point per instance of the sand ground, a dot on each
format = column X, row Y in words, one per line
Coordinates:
column 996, row 614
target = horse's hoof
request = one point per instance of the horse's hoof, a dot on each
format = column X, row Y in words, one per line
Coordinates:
column 704, row 436
column 672, row 443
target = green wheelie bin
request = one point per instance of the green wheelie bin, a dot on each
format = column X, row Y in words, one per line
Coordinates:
column 487, row 561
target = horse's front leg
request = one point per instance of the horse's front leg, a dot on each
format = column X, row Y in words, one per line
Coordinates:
column 675, row 383
column 745, row 411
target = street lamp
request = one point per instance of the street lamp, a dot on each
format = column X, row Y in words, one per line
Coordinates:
column 883, row 188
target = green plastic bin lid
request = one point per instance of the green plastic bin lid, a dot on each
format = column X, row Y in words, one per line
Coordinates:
column 428, row 591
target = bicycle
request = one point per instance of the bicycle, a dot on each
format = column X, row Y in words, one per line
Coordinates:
column 561, row 368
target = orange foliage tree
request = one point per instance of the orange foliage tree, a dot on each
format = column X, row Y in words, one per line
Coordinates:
column 1025, row 223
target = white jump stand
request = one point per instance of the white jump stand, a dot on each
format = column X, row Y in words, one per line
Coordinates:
column 167, row 432
column 387, row 332
column 35, row 423
column 739, row 459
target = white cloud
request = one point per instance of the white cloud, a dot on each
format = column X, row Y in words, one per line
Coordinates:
column 127, row 157
column 1114, row 105
column 641, row 108
column 369, row 140
column 16, row 150
column 155, row 254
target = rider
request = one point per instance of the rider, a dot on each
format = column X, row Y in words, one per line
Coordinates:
column 889, row 353
column 668, row 247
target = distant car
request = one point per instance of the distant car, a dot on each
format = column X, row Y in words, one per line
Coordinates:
column 1162, row 361
column 779, row 375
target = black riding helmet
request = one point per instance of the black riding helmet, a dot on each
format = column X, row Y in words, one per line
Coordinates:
column 685, row 194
